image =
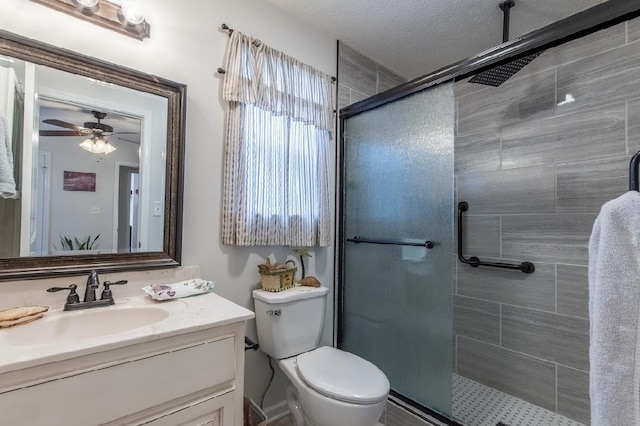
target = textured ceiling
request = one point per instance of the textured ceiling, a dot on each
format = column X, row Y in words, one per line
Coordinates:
column 415, row 37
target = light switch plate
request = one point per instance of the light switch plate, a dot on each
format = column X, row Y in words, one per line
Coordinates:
column 157, row 208
column 94, row 210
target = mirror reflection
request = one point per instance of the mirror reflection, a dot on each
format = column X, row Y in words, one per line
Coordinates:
column 82, row 164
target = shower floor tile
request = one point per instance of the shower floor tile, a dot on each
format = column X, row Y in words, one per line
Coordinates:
column 475, row 404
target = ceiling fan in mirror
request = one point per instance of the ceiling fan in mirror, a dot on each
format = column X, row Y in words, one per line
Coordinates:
column 95, row 132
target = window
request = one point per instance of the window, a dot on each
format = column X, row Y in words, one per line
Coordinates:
column 279, row 123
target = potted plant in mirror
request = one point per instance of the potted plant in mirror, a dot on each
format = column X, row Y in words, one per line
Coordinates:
column 75, row 246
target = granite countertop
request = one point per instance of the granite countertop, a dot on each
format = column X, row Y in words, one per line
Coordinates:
column 22, row 347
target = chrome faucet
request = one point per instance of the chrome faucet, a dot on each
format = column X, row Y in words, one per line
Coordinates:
column 93, row 282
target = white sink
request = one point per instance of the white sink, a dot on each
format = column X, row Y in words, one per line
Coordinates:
column 79, row 325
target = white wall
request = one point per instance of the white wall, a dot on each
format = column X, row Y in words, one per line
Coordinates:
column 151, row 109
column 70, row 209
column 187, row 46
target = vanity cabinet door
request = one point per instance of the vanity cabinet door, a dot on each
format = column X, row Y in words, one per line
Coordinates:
column 216, row 411
column 115, row 391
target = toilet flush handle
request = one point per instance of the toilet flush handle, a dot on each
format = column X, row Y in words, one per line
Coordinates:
column 274, row 312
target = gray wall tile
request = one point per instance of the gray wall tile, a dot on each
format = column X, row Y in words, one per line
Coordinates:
column 561, row 238
column 535, row 290
column 603, row 78
column 633, row 125
column 481, row 236
column 633, row 30
column 477, row 152
column 573, row 394
column 463, row 88
column 586, row 186
column 388, row 79
column 357, row 71
column 514, row 373
column 528, row 190
column 344, row 96
column 573, row 290
column 583, row 47
column 583, row 135
column 357, row 96
column 569, row 159
column 510, row 103
column 477, row 319
column 546, row 335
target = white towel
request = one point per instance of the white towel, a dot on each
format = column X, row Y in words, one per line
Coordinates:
column 7, row 183
column 614, row 302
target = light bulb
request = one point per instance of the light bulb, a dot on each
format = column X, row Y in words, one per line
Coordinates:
column 97, row 146
column 87, row 145
column 108, row 148
column 89, row 4
column 132, row 13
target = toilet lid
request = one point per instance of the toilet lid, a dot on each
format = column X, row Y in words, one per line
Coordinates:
column 342, row 376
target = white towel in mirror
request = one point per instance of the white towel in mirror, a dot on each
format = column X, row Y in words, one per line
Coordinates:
column 7, row 183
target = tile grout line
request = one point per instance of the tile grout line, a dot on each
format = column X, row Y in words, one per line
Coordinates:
column 556, row 188
column 555, row 89
column 626, row 127
column 533, row 357
column 555, row 267
column 556, row 380
column 500, row 151
column 500, row 325
column 521, row 307
column 568, row 162
column 500, row 233
column 626, row 33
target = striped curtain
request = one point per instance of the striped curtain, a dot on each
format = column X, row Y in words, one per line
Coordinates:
column 279, row 124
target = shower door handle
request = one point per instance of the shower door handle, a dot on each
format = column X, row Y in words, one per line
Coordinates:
column 428, row 244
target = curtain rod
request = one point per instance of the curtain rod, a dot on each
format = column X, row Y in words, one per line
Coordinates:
column 230, row 31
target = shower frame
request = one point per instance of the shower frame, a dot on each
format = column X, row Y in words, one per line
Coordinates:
column 594, row 19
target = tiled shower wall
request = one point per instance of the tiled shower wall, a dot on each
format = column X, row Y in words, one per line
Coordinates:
column 535, row 169
column 360, row 77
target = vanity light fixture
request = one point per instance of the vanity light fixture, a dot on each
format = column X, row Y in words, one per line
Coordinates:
column 97, row 145
column 125, row 17
column 89, row 4
column 132, row 13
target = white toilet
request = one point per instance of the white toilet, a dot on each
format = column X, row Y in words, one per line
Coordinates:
column 329, row 387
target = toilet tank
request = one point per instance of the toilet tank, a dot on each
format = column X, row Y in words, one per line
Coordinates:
column 290, row 322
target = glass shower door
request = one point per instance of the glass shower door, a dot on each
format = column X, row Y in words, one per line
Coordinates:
column 397, row 189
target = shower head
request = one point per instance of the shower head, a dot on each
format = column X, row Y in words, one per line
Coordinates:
column 498, row 75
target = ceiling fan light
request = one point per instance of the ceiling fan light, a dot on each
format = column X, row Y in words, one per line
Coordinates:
column 108, row 148
column 97, row 146
column 88, row 145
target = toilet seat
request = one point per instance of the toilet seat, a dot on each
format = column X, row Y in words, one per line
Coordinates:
column 342, row 376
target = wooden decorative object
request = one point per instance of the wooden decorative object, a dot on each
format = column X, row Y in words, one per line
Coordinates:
column 105, row 13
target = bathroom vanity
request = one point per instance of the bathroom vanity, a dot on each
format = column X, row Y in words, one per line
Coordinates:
column 138, row 362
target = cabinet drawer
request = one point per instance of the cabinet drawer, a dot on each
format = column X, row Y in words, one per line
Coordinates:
column 123, row 389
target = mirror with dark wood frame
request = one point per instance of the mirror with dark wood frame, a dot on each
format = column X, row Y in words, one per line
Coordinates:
column 92, row 164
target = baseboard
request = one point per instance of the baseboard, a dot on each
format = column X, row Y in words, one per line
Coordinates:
column 276, row 411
